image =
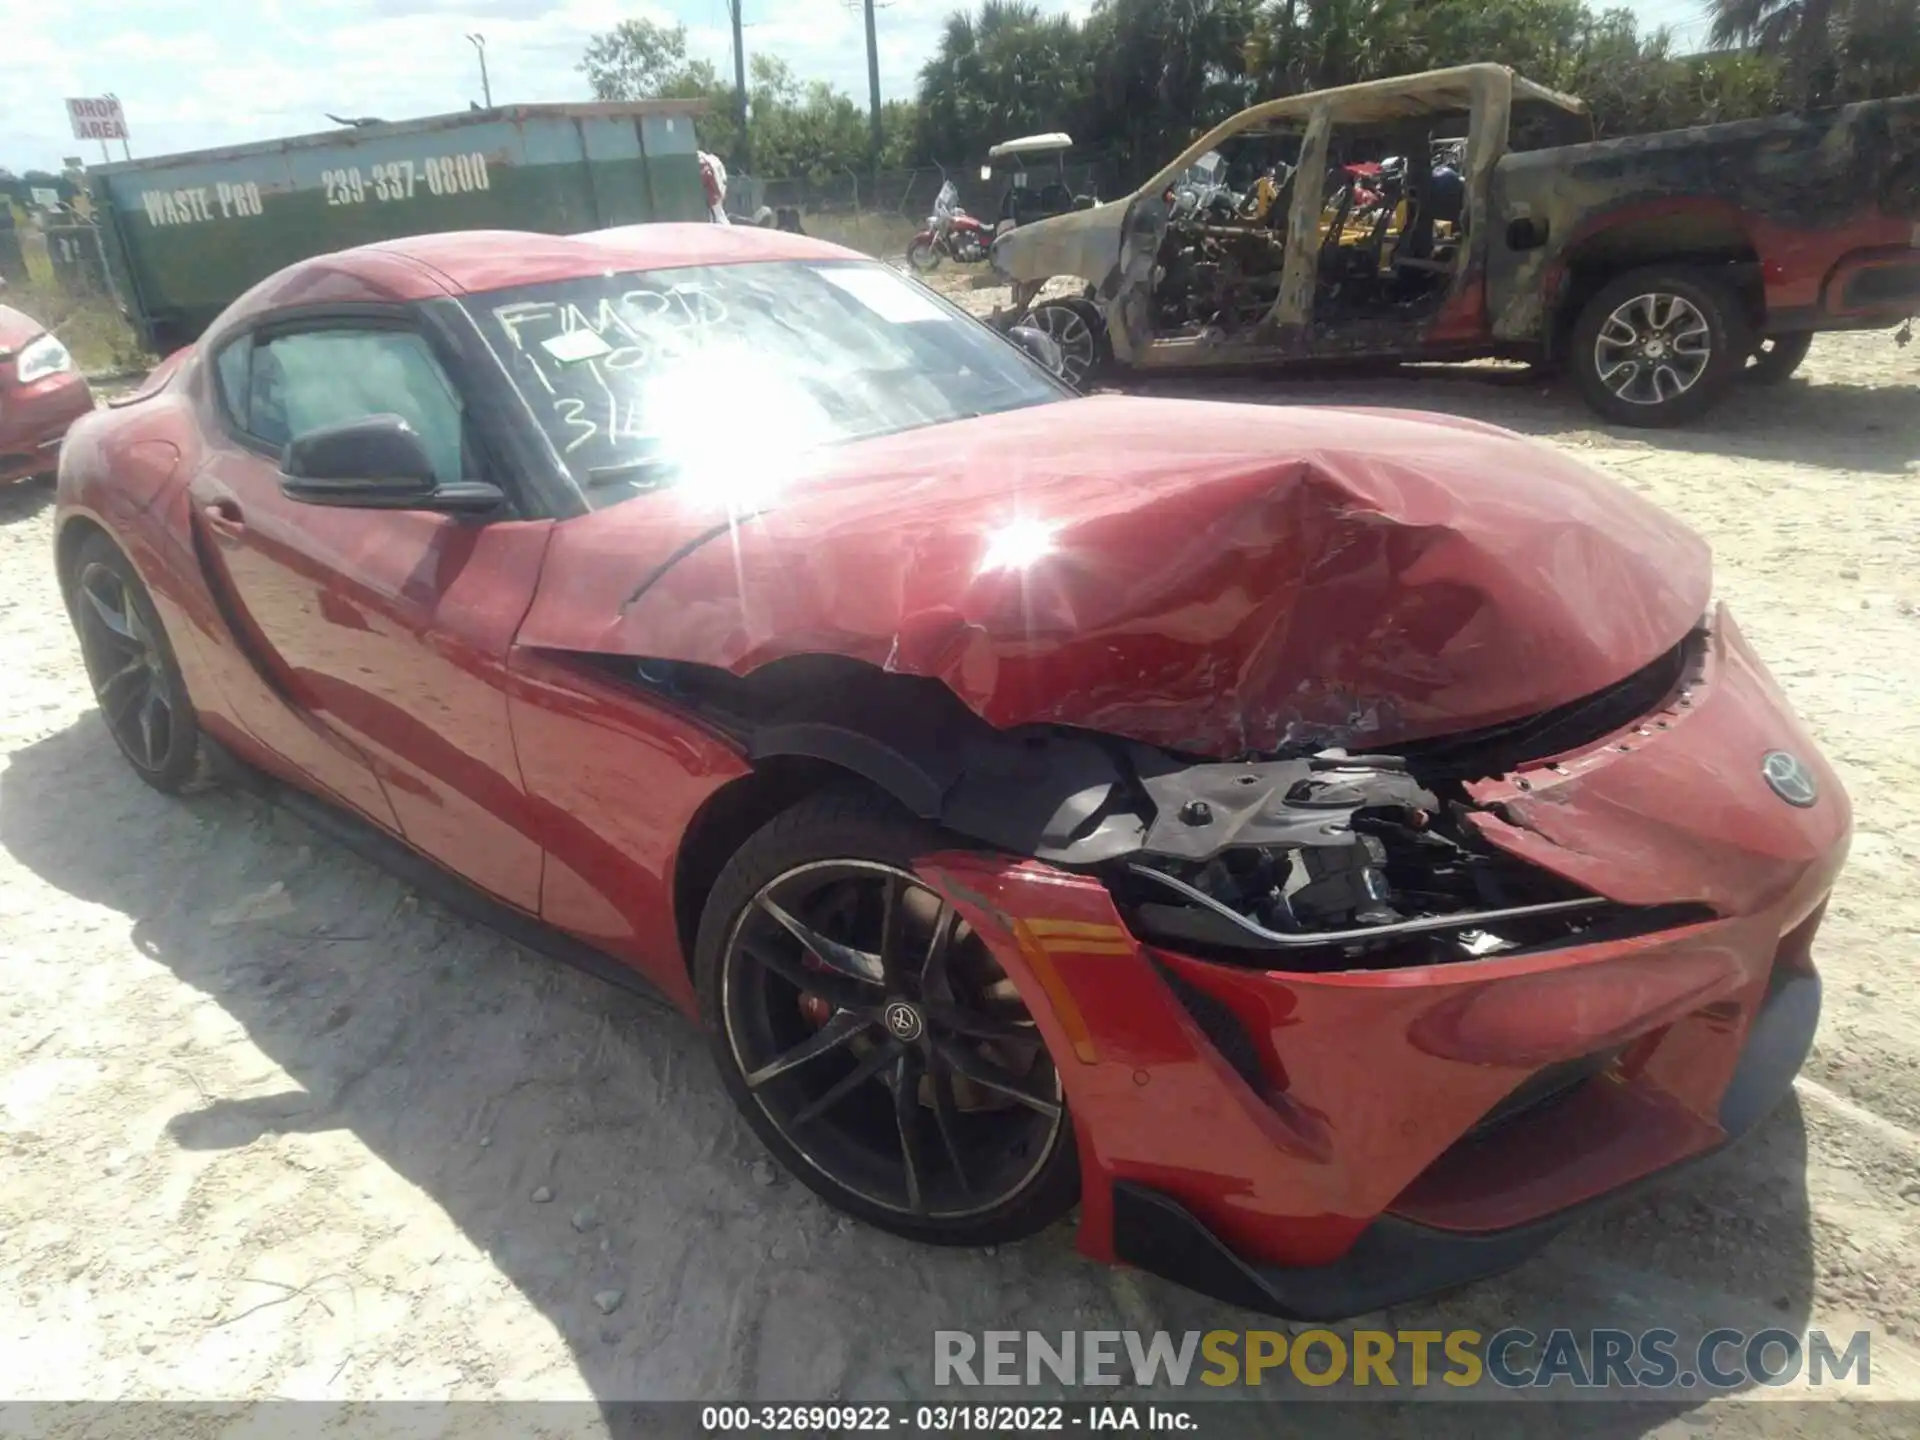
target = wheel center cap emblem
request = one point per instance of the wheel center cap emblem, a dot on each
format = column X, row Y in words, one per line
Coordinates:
column 1788, row 778
column 903, row 1021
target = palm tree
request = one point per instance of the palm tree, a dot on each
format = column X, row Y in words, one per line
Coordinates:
column 1799, row 31
column 1833, row 49
column 1004, row 71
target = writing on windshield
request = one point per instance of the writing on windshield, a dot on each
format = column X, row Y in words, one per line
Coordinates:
column 642, row 379
column 579, row 353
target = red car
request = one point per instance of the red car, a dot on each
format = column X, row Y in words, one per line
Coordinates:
column 42, row 392
column 1332, row 849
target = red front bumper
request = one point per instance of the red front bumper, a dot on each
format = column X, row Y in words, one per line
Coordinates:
column 1314, row 1128
column 34, row 418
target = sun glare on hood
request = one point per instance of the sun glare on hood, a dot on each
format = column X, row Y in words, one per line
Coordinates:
column 1017, row 546
column 696, row 408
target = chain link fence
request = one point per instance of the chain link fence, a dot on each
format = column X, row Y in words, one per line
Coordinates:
column 78, row 261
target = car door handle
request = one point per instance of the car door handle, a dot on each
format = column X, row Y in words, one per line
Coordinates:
column 223, row 518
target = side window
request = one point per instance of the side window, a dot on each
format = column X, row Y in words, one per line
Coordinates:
column 233, row 365
column 312, row 378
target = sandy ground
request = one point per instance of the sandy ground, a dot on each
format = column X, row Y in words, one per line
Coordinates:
column 269, row 1126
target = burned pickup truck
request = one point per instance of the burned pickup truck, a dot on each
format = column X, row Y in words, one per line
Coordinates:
column 1467, row 213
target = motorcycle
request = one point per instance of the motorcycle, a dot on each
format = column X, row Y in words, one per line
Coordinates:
column 951, row 233
column 1200, row 192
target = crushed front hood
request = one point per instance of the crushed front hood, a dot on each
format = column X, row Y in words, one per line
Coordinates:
column 1214, row 578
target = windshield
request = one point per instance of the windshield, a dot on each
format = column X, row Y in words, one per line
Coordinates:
column 641, row 378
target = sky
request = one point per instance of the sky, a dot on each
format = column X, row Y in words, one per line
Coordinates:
column 197, row 73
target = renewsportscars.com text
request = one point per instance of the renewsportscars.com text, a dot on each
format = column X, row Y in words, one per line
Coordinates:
column 1513, row 1358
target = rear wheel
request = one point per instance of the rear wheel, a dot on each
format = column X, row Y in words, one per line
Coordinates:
column 871, row 1039
column 136, row 680
column 1658, row 346
column 1076, row 327
column 1776, row 357
column 922, row 255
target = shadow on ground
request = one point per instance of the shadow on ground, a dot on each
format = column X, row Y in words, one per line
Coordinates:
column 1829, row 424
column 23, row 499
column 478, row 1072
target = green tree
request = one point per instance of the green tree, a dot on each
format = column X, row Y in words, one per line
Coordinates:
column 797, row 129
column 636, row 60
column 1629, row 78
column 900, row 134
column 1005, row 72
column 1165, row 70
column 1800, row 31
column 1831, row 49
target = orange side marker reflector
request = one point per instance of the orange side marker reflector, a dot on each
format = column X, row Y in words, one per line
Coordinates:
column 1035, row 950
column 1081, row 937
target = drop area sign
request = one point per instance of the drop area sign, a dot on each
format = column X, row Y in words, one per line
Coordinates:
column 97, row 118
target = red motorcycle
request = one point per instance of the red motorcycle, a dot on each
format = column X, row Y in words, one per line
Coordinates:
column 951, row 233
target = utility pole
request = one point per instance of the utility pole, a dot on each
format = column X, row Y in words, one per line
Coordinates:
column 743, row 158
column 486, row 89
column 873, row 88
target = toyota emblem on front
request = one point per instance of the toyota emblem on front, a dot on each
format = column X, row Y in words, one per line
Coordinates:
column 1788, row 778
column 903, row 1021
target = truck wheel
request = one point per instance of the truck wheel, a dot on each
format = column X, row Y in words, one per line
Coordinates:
column 1776, row 357
column 1078, row 329
column 1658, row 346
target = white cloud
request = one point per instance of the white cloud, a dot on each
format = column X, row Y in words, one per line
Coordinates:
column 227, row 72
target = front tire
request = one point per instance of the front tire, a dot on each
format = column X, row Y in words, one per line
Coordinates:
column 1776, row 357
column 1076, row 326
column 136, row 679
column 922, row 255
column 871, row 1039
column 1658, row 346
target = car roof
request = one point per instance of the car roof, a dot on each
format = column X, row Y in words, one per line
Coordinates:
column 464, row 262
column 467, row 261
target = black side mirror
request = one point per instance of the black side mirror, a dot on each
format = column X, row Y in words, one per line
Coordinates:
column 379, row 463
column 1040, row 345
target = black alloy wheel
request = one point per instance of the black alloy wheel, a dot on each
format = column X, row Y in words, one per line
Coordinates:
column 870, row 1037
column 136, row 681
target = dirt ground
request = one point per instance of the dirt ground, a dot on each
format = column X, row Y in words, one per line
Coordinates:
column 269, row 1126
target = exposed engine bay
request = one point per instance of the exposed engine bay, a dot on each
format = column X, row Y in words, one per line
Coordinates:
column 1312, row 860
column 1336, row 861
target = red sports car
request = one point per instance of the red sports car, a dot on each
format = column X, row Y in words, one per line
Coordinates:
column 42, row 392
column 1332, row 849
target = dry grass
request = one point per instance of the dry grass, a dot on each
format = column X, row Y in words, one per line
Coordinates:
column 879, row 233
column 89, row 325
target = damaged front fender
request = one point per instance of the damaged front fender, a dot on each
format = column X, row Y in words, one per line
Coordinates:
column 1111, row 247
column 1677, row 809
